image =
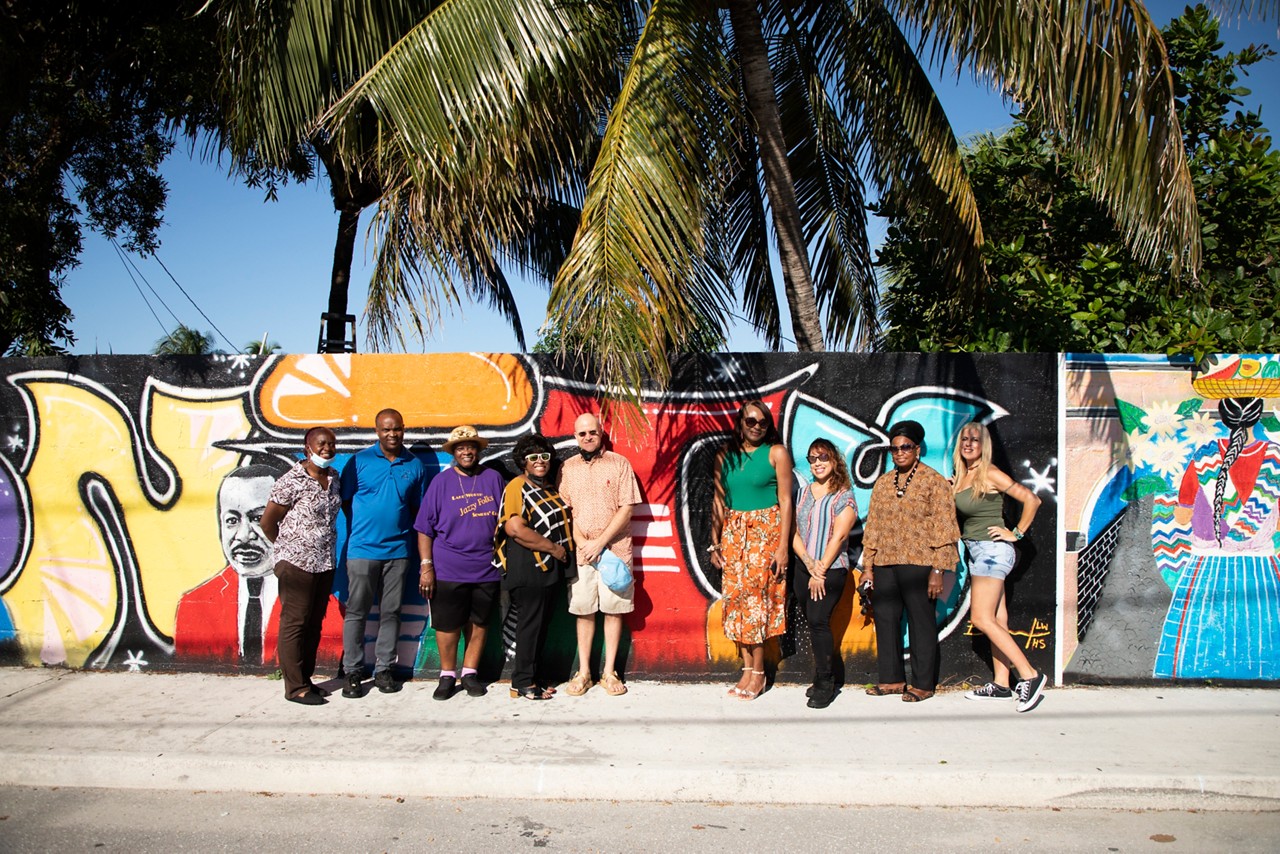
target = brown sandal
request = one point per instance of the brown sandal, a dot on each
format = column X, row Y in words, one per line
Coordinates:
column 579, row 684
column 613, row 685
column 884, row 690
column 914, row 695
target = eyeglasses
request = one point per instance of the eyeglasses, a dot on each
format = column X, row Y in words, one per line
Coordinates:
column 582, row 434
column 749, row 421
column 818, row 458
column 902, row 449
column 537, row 458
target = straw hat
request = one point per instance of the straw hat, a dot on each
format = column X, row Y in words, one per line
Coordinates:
column 464, row 433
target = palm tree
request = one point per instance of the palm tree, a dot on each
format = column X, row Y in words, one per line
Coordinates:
column 727, row 127
column 260, row 348
column 185, row 341
column 285, row 65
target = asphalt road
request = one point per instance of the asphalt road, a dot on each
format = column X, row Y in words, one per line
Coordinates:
column 99, row 820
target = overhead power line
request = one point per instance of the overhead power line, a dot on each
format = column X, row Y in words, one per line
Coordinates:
column 234, row 348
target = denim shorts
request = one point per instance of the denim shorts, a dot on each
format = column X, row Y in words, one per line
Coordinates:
column 990, row 558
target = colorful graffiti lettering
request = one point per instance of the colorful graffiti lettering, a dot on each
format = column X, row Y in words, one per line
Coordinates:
column 130, row 487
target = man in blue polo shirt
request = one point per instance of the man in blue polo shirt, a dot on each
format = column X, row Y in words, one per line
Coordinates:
column 382, row 487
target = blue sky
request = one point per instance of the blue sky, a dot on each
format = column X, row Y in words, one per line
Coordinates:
column 258, row 267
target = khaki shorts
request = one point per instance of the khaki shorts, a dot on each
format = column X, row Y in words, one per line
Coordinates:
column 589, row 594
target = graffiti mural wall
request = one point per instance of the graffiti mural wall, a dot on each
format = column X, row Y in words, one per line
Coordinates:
column 131, row 487
column 1173, row 496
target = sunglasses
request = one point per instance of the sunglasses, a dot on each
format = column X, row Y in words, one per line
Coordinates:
column 750, row 421
column 537, row 458
column 818, row 458
column 902, row 449
column 582, row 434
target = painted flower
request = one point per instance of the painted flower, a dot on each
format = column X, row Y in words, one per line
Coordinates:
column 1132, row 452
column 1163, row 418
column 1167, row 456
column 1200, row 429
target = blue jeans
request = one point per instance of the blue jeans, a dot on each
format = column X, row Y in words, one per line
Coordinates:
column 368, row 580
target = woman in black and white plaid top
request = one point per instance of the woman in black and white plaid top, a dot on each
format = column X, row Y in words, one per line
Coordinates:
column 533, row 549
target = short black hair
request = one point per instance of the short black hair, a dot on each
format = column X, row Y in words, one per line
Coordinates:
column 531, row 444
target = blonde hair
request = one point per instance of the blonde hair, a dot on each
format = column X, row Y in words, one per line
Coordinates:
column 981, row 484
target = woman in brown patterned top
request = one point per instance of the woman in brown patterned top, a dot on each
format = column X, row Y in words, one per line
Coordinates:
column 908, row 545
column 300, row 519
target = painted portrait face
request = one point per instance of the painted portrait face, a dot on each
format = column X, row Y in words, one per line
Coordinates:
column 241, row 501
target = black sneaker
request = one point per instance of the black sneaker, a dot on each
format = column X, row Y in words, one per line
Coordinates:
column 352, row 689
column 385, row 682
column 445, row 689
column 990, row 691
column 1030, row 692
column 473, row 686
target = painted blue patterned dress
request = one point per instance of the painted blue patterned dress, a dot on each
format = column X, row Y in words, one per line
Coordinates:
column 1224, row 620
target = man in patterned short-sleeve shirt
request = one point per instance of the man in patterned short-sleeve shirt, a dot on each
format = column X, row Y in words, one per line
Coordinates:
column 600, row 487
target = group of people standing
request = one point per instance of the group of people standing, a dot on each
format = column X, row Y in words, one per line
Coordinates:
column 910, row 541
column 474, row 534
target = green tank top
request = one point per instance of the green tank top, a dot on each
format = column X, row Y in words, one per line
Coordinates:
column 978, row 514
column 750, row 483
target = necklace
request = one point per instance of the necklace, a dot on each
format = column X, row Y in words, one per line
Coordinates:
column 901, row 490
column 465, row 487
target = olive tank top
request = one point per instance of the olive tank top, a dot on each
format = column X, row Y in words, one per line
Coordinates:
column 978, row 514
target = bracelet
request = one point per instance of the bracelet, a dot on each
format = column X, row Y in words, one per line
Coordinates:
column 937, row 572
column 1017, row 535
column 714, row 547
column 426, row 561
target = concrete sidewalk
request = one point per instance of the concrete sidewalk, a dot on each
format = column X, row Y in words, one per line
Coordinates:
column 1083, row 747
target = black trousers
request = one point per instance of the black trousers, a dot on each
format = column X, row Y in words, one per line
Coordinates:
column 532, row 613
column 818, row 614
column 899, row 588
column 304, row 599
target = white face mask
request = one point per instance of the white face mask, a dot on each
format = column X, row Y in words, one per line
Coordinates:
column 320, row 462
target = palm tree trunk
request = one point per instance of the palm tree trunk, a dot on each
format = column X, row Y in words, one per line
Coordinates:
column 762, row 101
column 352, row 193
column 340, row 279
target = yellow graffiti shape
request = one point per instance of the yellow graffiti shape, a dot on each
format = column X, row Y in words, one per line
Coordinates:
column 64, row 601
column 436, row 390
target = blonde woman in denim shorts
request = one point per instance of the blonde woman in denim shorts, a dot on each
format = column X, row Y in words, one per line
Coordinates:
column 980, row 489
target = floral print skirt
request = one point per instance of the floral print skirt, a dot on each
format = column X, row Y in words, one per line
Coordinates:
column 755, row 604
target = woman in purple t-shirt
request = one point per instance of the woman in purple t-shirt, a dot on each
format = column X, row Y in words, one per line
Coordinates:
column 456, row 523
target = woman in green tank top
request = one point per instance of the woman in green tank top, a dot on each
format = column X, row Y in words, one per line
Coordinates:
column 980, row 489
column 751, row 533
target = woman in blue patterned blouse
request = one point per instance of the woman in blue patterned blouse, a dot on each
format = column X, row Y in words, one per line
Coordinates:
column 826, row 514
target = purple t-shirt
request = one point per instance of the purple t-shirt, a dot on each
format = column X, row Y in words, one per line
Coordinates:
column 460, row 514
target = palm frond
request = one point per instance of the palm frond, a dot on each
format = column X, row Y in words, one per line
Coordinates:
column 903, row 132
column 636, row 284
column 1094, row 72
column 287, row 61
column 829, row 189
column 519, row 82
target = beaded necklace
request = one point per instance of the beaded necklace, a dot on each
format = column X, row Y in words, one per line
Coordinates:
column 901, row 490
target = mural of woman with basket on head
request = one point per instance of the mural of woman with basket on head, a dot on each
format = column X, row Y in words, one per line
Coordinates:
column 1216, row 541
